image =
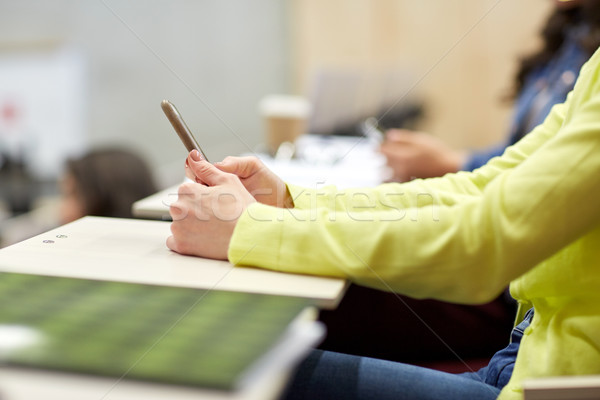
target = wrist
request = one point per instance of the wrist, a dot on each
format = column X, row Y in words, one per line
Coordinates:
column 456, row 159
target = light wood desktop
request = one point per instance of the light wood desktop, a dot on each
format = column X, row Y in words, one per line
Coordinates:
column 130, row 250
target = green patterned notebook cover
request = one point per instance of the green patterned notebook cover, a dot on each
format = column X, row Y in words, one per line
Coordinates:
column 162, row 334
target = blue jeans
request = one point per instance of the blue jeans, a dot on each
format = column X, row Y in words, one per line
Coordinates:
column 329, row 375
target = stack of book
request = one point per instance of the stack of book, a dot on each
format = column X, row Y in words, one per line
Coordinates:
column 193, row 338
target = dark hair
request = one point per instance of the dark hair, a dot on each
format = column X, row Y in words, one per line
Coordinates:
column 586, row 13
column 110, row 180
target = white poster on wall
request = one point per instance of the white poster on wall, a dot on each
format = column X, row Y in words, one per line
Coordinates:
column 42, row 107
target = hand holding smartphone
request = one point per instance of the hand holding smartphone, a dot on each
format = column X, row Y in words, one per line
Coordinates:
column 181, row 128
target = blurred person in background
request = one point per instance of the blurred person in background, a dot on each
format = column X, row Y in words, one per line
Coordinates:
column 104, row 182
column 570, row 36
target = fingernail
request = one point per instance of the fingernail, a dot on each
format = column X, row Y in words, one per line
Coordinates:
column 195, row 155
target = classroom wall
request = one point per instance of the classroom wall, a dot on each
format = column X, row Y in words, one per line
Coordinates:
column 460, row 54
column 214, row 59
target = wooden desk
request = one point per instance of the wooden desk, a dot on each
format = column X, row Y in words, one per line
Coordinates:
column 130, row 250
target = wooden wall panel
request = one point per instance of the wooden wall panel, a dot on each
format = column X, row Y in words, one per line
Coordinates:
column 461, row 53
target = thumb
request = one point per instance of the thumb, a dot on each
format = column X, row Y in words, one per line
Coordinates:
column 205, row 171
column 243, row 167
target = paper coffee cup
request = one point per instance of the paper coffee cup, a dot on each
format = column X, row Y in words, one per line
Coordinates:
column 285, row 118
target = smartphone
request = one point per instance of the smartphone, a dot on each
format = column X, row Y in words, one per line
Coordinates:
column 181, row 128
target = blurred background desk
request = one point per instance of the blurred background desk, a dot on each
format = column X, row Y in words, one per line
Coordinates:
column 319, row 160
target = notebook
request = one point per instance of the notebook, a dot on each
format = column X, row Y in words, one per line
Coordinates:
column 172, row 335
